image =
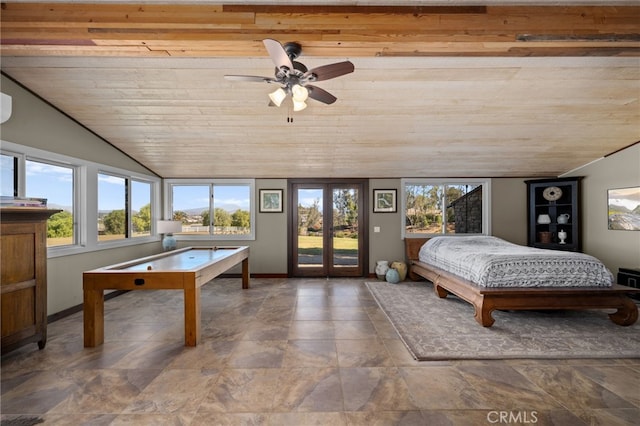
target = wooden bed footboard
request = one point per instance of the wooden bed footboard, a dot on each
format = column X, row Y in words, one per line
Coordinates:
column 486, row 300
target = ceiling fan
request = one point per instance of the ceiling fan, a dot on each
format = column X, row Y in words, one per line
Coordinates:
column 294, row 78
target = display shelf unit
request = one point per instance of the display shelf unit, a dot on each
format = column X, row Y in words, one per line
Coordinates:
column 547, row 207
column 23, row 254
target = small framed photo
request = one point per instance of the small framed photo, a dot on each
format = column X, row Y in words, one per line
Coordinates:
column 271, row 201
column 384, row 201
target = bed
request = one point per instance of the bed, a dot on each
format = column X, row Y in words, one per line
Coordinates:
column 500, row 285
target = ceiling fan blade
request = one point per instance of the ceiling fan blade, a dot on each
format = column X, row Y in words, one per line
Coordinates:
column 255, row 78
column 326, row 72
column 278, row 54
column 320, row 95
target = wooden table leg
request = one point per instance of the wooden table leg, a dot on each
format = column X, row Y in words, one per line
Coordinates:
column 245, row 273
column 93, row 318
column 191, row 316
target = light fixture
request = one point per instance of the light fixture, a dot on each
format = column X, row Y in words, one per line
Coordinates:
column 5, row 107
column 298, row 105
column 278, row 96
column 299, row 93
column 168, row 227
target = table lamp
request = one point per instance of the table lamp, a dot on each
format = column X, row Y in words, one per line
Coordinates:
column 168, row 227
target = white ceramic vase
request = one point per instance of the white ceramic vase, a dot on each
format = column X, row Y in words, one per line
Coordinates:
column 382, row 266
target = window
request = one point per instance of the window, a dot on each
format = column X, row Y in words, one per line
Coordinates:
column 54, row 182
column 100, row 204
column 112, row 207
column 140, row 209
column 121, row 216
column 9, row 177
column 433, row 207
column 26, row 177
column 219, row 209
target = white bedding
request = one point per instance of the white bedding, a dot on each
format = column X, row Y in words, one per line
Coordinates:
column 493, row 262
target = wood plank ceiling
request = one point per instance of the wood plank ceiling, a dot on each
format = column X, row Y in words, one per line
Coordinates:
column 438, row 90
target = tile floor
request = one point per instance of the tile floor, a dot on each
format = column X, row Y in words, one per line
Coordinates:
column 291, row 352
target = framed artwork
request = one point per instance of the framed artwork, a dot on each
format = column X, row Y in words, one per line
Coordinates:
column 624, row 208
column 384, row 201
column 271, row 201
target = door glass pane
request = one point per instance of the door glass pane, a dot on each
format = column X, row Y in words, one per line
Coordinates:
column 345, row 227
column 310, row 242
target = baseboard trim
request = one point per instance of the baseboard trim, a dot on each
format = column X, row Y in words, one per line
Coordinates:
column 269, row 276
column 77, row 308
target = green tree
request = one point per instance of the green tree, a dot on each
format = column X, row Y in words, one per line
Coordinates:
column 345, row 212
column 241, row 219
column 311, row 216
column 423, row 206
column 60, row 225
column 221, row 217
column 114, row 222
column 205, row 218
column 180, row 215
column 141, row 221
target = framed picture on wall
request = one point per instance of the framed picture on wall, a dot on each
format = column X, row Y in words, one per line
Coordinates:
column 271, row 201
column 384, row 201
column 624, row 208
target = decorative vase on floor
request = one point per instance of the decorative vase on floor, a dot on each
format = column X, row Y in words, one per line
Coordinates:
column 401, row 267
column 382, row 266
column 392, row 276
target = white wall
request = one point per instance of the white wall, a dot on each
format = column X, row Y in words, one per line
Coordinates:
column 620, row 170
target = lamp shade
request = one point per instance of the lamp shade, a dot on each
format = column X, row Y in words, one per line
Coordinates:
column 298, row 105
column 168, row 226
column 278, row 96
column 299, row 93
column 5, row 107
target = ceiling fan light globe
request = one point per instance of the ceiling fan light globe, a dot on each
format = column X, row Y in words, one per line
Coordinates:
column 299, row 105
column 299, row 93
column 277, row 96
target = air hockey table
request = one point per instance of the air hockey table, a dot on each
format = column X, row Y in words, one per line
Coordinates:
column 186, row 269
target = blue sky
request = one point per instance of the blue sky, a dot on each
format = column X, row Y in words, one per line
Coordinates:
column 306, row 197
column 55, row 183
column 51, row 182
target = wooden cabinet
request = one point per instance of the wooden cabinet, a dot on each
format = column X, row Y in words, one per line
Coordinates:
column 553, row 214
column 23, row 276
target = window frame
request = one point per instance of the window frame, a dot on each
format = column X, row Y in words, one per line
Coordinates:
column 486, row 203
column 85, row 197
column 212, row 183
column 75, row 196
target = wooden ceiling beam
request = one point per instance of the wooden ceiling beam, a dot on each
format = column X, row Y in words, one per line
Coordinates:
column 207, row 30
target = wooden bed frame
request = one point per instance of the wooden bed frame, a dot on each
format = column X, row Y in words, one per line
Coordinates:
column 486, row 300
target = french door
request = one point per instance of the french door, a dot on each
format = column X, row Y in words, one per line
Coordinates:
column 327, row 228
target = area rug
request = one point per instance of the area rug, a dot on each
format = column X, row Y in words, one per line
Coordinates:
column 444, row 329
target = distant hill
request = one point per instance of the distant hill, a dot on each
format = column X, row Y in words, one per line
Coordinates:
column 614, row 208
column 60, row 207
column 231, row 208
